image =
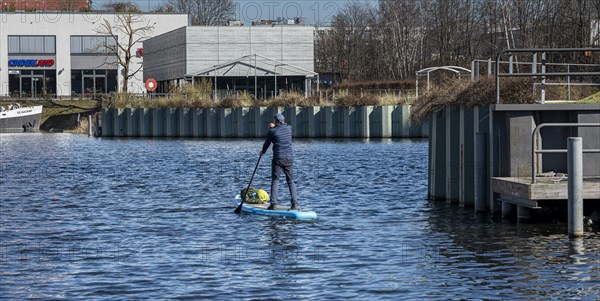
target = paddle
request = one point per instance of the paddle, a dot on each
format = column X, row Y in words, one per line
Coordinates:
column 239, row 208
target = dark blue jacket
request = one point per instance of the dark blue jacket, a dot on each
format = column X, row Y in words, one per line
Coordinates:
column 281, row 137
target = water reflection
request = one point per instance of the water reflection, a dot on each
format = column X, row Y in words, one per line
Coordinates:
column 576, row 246
column 163, row 207
column 280, row 232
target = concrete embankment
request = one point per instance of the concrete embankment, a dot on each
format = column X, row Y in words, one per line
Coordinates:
column 307, row 122
column 486, row 156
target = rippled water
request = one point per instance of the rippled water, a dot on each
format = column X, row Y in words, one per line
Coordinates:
column 87, row 218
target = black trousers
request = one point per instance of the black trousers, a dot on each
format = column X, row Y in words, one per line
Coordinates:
column 277, row 166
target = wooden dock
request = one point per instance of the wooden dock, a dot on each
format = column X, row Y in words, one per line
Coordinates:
column 521, row 192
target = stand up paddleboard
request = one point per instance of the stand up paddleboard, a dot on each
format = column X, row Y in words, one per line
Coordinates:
column 261, row 209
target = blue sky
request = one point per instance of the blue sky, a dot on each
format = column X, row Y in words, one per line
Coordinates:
column 314, row 11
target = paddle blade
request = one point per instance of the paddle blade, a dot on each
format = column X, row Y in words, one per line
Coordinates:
column 238, row 209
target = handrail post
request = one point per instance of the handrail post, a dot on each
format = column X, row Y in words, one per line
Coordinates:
column 497, row 71
column 533, row 152
column 543, row 73
column 534, row 140
column 543, row 92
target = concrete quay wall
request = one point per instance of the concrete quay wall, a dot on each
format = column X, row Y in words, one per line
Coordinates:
column 470, row 146
column 307, row 122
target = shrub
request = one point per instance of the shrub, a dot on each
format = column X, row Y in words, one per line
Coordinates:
column 229, row 102
column 352, row 101
column 451, row 92
column 462, row 92
column 377, row 85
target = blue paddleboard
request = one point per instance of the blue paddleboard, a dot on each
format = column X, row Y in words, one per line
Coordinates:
column 261, row 209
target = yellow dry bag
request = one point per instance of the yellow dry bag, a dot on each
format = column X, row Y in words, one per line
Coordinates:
column 263, row 196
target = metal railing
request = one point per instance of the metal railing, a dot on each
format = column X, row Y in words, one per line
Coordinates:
column 534, row 140
column 543, row 72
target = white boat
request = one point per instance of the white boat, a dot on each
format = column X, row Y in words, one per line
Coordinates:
column 16, row 118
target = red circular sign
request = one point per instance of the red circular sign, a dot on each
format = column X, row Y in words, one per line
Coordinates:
column 151, row 84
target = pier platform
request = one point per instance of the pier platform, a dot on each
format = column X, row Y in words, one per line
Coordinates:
column 521, row 192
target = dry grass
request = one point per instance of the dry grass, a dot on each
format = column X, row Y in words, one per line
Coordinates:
column 377, row 85
column 64, row 107
column 82, row 127
column 352, row 100
column 451, row 92
column 393, row 99
column 285, row 99
column 593, row 99
column 198, row 95
column 466, row 93
column 562, row 92
column 245, row 99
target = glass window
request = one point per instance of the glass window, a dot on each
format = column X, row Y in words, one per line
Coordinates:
column 49, row 44
column 76, row 82
column 25, row 47
column 32, row 44
column 88, row 85
column 13, row 44
column 111, row 80
column 14, row 85
column 100, row 44
column 111, row 42
column 27, row 86
column 100, row 84
column 88, row 45
column 91, row 44
column 93, row 81
column 76, row 45
column 50, row 82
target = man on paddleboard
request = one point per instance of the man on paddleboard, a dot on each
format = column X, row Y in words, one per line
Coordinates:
column 281, row 137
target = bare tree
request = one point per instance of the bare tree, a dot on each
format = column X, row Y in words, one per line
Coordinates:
column 403, row 35
column 595, row 34
column 165, row 8
column 394, row 39
column 128, row 29
column 203, row 12
column 122, row 7
column 352, row 45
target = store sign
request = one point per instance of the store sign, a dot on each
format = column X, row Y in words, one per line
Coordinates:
column 31, row 63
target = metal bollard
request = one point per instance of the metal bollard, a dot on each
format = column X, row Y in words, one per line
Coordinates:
column 575, row 172
column 90, row 125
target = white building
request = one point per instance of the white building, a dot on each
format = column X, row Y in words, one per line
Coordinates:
column 56, row 54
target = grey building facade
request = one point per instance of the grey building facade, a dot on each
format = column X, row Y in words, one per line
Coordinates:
column 261, row 60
